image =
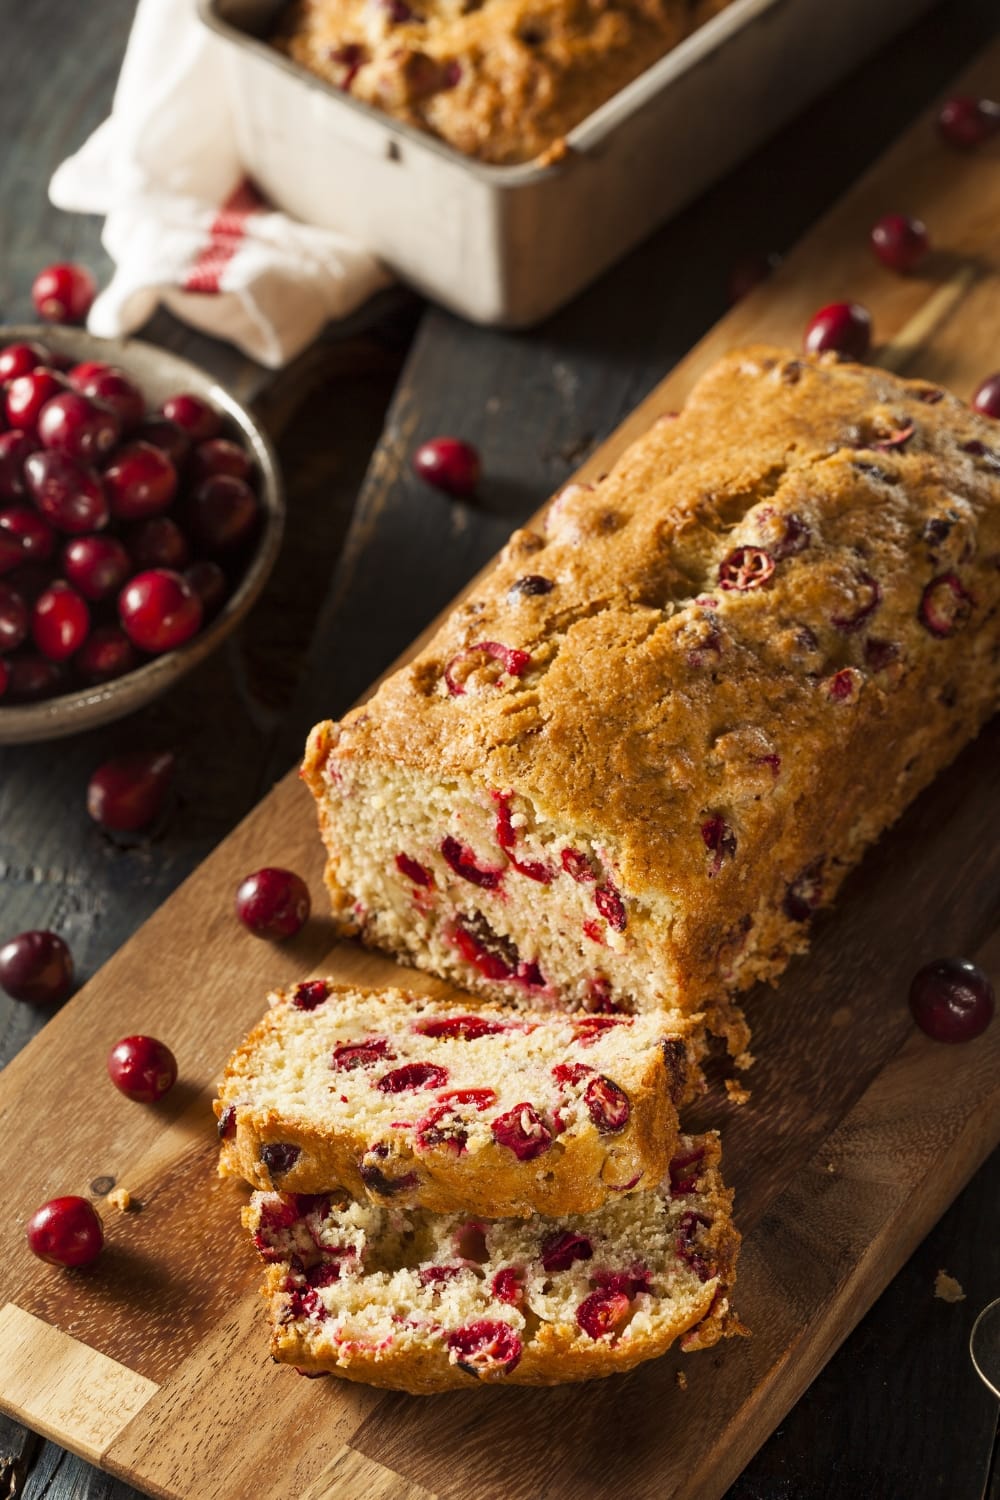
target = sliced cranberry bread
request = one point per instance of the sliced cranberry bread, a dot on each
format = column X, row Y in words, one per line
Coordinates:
column 469, row 1107
column 425, row 1302
column 631, row 765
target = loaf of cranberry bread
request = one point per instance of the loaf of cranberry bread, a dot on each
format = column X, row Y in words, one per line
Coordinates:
column 639, row 756
column 453, row 1107
column 424, row 1302
column 501, row 80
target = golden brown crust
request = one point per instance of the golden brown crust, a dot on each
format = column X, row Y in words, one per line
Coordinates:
column 501, row 80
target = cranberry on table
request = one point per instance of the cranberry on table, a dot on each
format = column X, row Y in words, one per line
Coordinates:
column 142, row 1068
column 985, row 400
column 845, row 327
column 952, row 1000
column 36, row 536
column 80, row 428
column 273, row 903
column 193, row 415
column 900, row 242
column 18, row 359
column 29, row 393
column 157, row 543
column 96, row 565
column 68, row 493
column 159, row 610
column 128, row 793
column 220, row 456
column 448, row 464
column 66, row 1232
column 107, row 653
column 63, row 293
column 14, row 619
column 967, row 123
column 36, row 967
column 60, row 621
column 14, row 449
column 111, row 387
column 31, row 677
column 166, row 436
column 222, row 513
column 209, row 583
column 140, row 481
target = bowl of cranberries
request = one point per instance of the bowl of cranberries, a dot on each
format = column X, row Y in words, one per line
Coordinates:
column 140, row 515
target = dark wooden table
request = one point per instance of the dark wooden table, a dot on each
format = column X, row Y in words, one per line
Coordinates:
column 371, row 556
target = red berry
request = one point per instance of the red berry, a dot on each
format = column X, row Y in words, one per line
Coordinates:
column 159, row 610
column 157, row 543
column 602, row 1313
column 68, row 494
column 209, row 583
column 37, row 538
column 220, row 456
column 31, row 678
column 448, row 464
column 168, row 437
column 14, row 449
column 563, row 1249
column 967, row 123
column 78, row 427
column 29, row 393
column 607, row 1104
column 415, row 1075
column 986, row 400
column 63, row 293
column 140, row 481
column 142, row 1068
column 66, row 1232
column 273, row 903
column 112, row 388
column 350, row 1055
column 96, row 565
column 18, row 359
column 36, row 967
column 193, row 415
column 222, row 513
column 13, row 619
column 750, row 272
column 12, row 553
column 60, row 621
column 128, row 793
column 105, row 654
column 88, row 369
column 845, row 327
column 522, row 1131
column 900, row 242
column 485, row 1348
column 952, row 1000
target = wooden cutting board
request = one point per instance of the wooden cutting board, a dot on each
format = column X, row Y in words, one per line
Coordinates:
column 860, row 1131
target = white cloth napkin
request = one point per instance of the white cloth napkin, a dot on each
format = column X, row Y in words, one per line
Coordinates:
column 183, row 224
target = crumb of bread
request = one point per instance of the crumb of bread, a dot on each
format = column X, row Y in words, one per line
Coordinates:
column 681, row 1380
column 121, row 1199
column 947, row 1288
column 743, row 1062
column 831, row 1166
column 737, row 1093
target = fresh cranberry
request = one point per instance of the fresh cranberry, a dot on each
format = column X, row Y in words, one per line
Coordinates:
column 485, row 1348
column 900, row 242
column 986, row 399
column 749, row 273
column 222, row 513
column 462, row 860
column 967, row 123
column 273, row 903
column 14, row 449
column 14, row 619
column 745, row 568
column 193, row 416
column 310, row 994
column 507, row 1287
column 36, row 967
column 36, row 536
column 60, row 622
column 611, row 906
column 68, row 494
column 158, row 610
column 28, row 394
column 414, row 870
column 952, row 1000
column 31, row 678
column 142, row 1068
column 845, row 327
column 523, row 1131
column 12, row 553
column 66, row 1232
column 945, row 605
column 63, row 293
column 607, row 1104
column 20, row 359
column 602, row 1313
column 460, row 1028
column 112, row 388
column 157, row 543
column 279, row 1157
column 168, row 437
column 140, row 481
column 571, row 1073
column 562, row 1250
column 350, row 1055
column 449, row 465
column 105, row 654
column 220, row 456
column 96, row 565
column 413, row 1076
column 129, row 792
column 515, row 662
column 78, row 427
column 209, row 583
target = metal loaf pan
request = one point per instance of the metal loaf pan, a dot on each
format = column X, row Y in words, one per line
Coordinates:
column 508, row 245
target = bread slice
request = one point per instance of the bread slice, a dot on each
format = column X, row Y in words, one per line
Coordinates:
column 454, row 1107
column 422, row 1302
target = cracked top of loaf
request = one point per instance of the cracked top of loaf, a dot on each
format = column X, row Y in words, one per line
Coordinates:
column 501, row 80
column 746, row 646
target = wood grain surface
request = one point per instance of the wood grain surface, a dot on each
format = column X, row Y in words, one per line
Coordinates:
column 858, row 1134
